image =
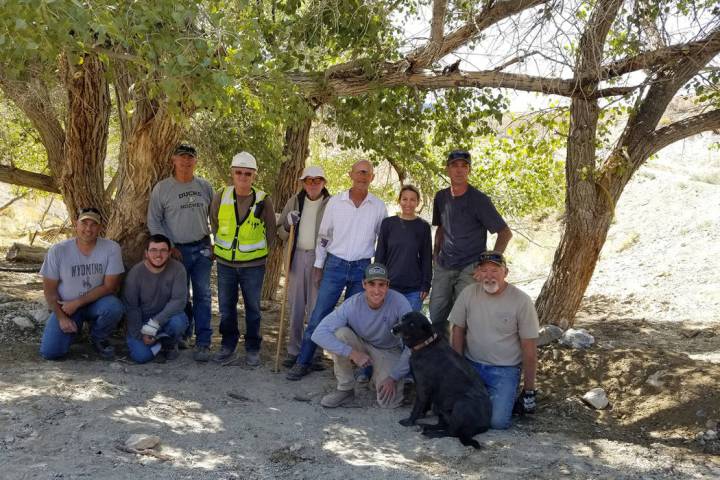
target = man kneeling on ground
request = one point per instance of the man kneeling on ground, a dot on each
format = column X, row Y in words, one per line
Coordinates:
column 359, row 332
column 495, row 326
column 155, row 294
column 80, row 278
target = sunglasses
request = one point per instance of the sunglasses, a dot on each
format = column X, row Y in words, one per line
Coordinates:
column 163, row 251
column 89, row 210
column 239, row 173
column 313, row 180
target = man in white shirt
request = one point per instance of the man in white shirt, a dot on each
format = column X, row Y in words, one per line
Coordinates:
column 345, row 245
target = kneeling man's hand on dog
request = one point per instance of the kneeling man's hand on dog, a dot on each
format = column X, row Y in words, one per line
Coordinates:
column 361, row 359
column 386, row 390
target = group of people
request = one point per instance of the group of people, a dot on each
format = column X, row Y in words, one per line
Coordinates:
column 343, row 243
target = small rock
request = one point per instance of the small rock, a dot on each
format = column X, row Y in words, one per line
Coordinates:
column 140, row 441
column 596, row 398
column 711, row 425
column 548, row 334
column 23, row 322
column 577, row 338
column 711, row 435
column 655, row 379
column 41, row 315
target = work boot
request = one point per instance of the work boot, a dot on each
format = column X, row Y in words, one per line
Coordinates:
column 201, row 354
column 225, row 354
column 171, row 353
column 297, row 371
column 104, row 349
column 337, row 398
column 184, row 343
column 289, row 361
column 252, row 359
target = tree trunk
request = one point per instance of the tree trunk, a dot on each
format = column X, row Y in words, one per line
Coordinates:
column 86, row 133
column 144, row 160
column 20, row 252
column 296, row 151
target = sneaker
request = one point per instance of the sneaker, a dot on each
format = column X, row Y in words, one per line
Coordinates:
column 104, row 349
column 252, row 359
column 297, row 371
column 289, row 361
column 171, row 353
column 337, row 398
column 225, row 354
column 201, row 354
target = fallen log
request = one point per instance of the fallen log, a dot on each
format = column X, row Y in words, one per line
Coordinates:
column 19, row 252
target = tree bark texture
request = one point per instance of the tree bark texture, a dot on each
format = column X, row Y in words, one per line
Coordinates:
column 144, row 160
column 86, row 133
column 295, row 151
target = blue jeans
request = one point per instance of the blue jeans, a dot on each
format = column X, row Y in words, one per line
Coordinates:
column 198, row 267
column 502, row 384
column 414, row 299
column 338, row 275
column 250, row 280
column 104, row 313
column 174, row 327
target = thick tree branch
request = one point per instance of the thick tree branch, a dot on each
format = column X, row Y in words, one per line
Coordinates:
column 431, row 51
column 24, row 178
column 492, row 13
column 680, row 130
column 654, row 58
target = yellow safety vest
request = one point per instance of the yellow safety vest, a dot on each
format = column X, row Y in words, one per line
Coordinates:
column 240, row 240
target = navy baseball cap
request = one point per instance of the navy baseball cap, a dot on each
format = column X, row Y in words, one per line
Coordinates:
column 185, row 149
column 458, row 155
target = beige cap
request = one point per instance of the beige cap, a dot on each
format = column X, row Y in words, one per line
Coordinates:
column 244, row 160
column 312, row 171
column 91, row 213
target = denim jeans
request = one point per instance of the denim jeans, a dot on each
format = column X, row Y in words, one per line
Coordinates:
column 250, row 281
column 196, row 259
column 104, row 313
column 174, row 328
column 338, row 275
column 414, row 299
column 502, row 384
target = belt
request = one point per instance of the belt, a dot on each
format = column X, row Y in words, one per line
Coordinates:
column 349, row 262
column 205, row 239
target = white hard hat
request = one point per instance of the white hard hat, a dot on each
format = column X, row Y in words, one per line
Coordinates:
column 244, row 160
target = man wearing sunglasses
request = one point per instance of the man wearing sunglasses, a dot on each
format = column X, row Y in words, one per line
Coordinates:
column 243, row 221
column 463, row 216
column 304, row 210
column 154, row 294
column 178, row 209
column 81, row 276
column 495, row 326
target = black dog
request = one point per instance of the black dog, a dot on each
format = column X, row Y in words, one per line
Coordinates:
column 445, row 381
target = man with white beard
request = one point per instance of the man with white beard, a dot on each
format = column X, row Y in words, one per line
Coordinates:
column 495, row 326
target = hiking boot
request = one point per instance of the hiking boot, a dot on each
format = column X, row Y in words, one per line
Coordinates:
column 297, row 371
column 201, row 354
column 225, row 354
column 171, row 353
column 289, row 361
column 184, row 343
column 337, row 398
column 252, row 359
column 104, row 349
column 160, row 357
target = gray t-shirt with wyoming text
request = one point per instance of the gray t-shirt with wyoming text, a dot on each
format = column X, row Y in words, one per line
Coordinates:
column 180, row 210
column 79, row 273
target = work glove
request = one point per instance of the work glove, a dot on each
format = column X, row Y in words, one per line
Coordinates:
column 150, row 328
column 525, row 403
column 293, row 218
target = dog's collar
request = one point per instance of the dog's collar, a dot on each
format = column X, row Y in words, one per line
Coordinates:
column 425, row 343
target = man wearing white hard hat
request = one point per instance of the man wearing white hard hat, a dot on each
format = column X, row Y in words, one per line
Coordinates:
column 304, row 210
column 243, row 221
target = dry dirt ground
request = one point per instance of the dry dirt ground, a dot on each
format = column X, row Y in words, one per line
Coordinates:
column 653, row 307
